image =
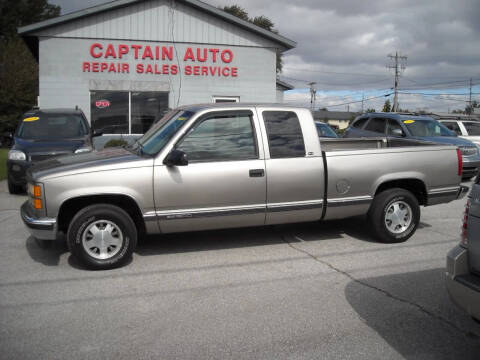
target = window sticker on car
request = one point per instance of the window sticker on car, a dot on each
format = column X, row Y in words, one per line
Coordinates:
column 409, row 121
column 34, row 118
column 182, row 118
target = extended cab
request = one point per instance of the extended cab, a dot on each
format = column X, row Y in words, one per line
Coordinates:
column 223, row 166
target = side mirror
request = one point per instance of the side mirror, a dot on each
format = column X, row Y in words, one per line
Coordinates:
column 398, row 132
column 97, row 133
column 176, row 158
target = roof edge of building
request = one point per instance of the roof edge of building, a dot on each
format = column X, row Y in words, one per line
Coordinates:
column 28, row 30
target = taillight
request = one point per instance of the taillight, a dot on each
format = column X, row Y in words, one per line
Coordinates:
column 460, row 162
column 464, row 235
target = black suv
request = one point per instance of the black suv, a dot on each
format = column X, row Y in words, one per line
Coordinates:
column 43, row 134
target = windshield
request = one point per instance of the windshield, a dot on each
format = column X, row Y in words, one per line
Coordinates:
column 52, row 126
column 426, row 128
column 162, row 131
column 325, row 131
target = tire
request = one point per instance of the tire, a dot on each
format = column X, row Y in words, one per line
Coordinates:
column 394, row 215
column 102, row 237
column 14, row 189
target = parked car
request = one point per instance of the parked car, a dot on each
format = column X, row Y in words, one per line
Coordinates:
column 43, row 134
column 325, row 130
column 415, row 127
column 231, row 165
column 463, row 261
column 467, row 129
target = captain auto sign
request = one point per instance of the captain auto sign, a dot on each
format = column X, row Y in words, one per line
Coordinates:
column 160, row 60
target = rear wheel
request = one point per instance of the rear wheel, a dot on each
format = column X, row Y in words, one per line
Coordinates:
column 394, row 215
column 102, row 236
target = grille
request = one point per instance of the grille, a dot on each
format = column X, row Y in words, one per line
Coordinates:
column 41, row 157
column 468, row 150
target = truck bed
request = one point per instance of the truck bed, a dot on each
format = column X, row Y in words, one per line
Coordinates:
column 348, row 144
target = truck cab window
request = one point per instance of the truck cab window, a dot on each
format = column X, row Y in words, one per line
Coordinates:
column 224, row 137
column 285, row 138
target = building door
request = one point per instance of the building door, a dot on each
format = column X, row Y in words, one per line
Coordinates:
column 223, row 184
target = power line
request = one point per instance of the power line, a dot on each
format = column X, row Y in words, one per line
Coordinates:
column 432, row 94
column 331, row 72
column 354, row 102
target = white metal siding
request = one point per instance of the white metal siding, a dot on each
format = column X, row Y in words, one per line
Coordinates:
column 64, row 84
column 155, row 21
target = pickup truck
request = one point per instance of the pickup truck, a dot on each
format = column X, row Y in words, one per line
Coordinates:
column 233, row 165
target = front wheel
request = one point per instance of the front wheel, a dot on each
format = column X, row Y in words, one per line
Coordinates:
column 102, row 236
column 394, row 215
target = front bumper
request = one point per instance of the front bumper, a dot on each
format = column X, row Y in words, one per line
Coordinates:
column 40, row 228
column 463, row 287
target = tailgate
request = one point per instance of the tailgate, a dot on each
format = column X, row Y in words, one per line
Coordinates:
column 474, row 230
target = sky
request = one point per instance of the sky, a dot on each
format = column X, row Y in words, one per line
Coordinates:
column 343, row 46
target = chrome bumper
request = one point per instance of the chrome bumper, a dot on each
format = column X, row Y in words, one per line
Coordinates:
column 463, row 287
column 40, row 228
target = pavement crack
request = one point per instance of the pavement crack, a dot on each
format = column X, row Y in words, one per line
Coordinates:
column 388, row 294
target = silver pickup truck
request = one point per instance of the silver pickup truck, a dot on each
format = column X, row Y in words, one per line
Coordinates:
column 232, row 165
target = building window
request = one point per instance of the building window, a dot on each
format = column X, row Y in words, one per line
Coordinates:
column 225, row 99
column 124, row 112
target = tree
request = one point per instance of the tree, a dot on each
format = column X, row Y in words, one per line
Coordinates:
column 371, row 110
column 470, row 109
column 457, row 111
column 261, row 21
column 17, row 13
column 387, row 107
column 18, row 68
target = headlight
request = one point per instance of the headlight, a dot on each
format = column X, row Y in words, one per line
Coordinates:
column 83, row 150
column 16, row 155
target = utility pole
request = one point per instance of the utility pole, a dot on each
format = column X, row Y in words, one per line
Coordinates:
column 470, row 100
column 363, row 99
column 399, row 64
column 313, row 95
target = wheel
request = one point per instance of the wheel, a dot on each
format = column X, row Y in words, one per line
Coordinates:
column 102, row 236
column 14, row 189
column 394, row 215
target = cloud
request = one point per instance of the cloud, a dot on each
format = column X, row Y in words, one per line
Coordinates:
column 343, row 44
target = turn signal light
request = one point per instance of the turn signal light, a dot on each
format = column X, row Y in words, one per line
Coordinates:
column 37, row 203
column 37, row 191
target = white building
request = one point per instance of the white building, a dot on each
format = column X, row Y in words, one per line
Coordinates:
column 124, row 63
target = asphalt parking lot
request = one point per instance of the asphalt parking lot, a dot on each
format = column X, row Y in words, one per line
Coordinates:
column 306, row 291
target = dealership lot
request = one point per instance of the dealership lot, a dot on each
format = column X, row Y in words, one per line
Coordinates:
column 299, row 291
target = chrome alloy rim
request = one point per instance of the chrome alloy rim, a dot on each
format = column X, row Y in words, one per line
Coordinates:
column 102, row 239
column 398, row 217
